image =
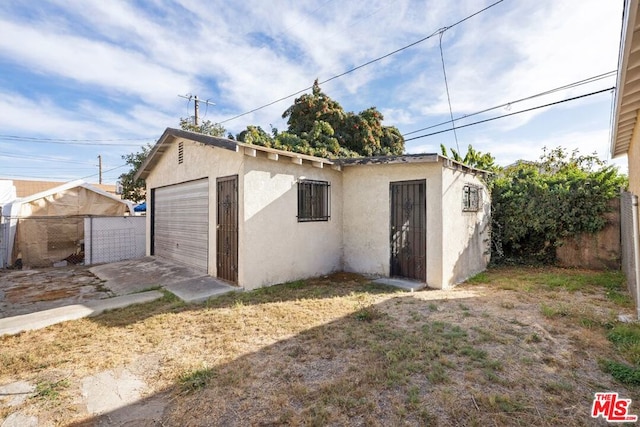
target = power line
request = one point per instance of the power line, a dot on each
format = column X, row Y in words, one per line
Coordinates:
column 48, row 159
column 446, row 85
column 86, row 143
column 362, row 65
column 28, row 138
column 511, row 114
column 108, row 170
column 527, row 98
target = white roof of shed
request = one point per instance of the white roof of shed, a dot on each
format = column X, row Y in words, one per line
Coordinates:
column 69, row 186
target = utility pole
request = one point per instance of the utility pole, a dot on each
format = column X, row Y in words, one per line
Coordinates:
column 99, row 169
column 196, row 106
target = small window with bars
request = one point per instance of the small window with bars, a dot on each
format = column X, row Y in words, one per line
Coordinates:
column 471, row 198
column 314, row 201
column 180, row 152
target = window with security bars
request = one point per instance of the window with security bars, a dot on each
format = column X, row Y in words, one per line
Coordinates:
column 471, row 198
column 314, row 201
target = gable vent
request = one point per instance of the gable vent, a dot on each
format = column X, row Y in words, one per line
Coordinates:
column 180, row 152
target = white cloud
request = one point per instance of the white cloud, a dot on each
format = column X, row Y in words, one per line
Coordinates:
column 116, row 67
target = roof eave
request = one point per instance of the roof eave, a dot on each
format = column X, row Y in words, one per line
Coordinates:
column 627, row 98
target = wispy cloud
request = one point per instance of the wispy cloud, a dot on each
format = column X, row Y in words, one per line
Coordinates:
column 91, row 67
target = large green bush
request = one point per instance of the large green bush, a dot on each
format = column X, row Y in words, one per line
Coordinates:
column 536, row 205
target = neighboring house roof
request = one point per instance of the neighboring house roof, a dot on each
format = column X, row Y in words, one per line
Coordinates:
column 70, row 185
column 25, row 187
column 627, row 101
column 171, row 135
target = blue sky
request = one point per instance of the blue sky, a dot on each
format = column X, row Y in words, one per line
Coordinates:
column 106, row 75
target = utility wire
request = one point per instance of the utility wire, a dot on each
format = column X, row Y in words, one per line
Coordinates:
column 446, row 85
column 61, row 140
column 103, row 172
column 511, row 114
column 47, row 159
column 510, row 103
column 362, row 65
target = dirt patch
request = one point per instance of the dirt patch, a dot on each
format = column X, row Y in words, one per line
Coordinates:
column 26, row 291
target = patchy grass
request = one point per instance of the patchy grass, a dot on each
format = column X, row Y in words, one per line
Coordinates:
column 529, row 347
column 50, row 390
column 196, row 379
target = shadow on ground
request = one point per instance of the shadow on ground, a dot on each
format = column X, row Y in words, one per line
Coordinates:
column 405, row 360
column 317, row 288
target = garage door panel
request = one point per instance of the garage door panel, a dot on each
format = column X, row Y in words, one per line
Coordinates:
column 181, row 223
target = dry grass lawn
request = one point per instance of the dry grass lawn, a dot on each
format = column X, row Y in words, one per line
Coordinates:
column 513, row 346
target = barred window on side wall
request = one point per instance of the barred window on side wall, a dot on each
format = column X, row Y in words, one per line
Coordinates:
column 471, row 198
column 314, row 201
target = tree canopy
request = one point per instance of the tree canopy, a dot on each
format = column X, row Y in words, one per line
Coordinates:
column 318, row 125
column 207, row 127
column 473, row 158
column 133, row 189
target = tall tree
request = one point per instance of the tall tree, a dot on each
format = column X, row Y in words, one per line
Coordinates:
column 318, row 125
column 133, row 189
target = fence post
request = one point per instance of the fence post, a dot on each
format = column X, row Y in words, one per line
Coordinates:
column 90, row 241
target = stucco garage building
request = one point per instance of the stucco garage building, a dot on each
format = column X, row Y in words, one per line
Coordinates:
column 257, row 216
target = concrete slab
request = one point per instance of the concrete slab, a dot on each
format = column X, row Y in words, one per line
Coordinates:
column 110, row 390
column 18, row 419
column 143, row 273
column 140, row 274
column 406, row 284
column 42, row 319
column 14, row 394
column 200, row 289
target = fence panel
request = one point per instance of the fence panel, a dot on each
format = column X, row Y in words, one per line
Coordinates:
column 111, row 239
column 53, row 241
column 630, row 244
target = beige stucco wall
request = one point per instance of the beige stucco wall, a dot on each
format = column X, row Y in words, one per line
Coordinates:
column 466, row 235
column 199, row 162
column 366, row 216
column 633, row 158
column 272, row 246
column 277, row 248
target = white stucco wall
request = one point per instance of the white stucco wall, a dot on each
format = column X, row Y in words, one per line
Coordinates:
column 466, row 235
column 273, row 247
column 277, row 248
column 366, row 216
column 199, row 162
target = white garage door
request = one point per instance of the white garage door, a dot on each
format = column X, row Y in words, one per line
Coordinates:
column 181, row 223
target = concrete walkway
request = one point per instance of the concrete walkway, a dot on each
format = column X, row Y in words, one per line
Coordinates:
column 406, row 284
column 134, row 282
column 42, row 319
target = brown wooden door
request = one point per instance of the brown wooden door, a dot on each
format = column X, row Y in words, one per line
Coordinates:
column 408, row 229
column 227, row 228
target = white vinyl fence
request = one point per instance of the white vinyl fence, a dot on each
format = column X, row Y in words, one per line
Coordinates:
column 111, row 239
